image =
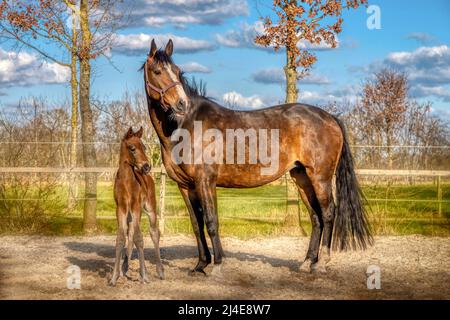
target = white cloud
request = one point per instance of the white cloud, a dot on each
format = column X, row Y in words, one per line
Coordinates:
column 277, row 76
column 157, row 13
column 348, row 94
column 139, row 44
column 25, row 69
column 244, row 37
column 194, row 67
column 425, row 65
column 420, row 91
column 238, row 101
column 421, row 37
column 427, row 68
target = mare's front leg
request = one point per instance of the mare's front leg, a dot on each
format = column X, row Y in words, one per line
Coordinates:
column 196, row 215
column 206, row 190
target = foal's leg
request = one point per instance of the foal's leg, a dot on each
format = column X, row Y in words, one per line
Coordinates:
column 120, row 244
column 131, row 218
column 309, row 198
column 139, row 242
column 206, row 190
column 323, row 189
column 195, row 213
column 150, row 210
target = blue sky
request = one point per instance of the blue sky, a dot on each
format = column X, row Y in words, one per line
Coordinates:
column 213, row 41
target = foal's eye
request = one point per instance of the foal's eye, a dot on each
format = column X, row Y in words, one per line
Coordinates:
column 132, row 148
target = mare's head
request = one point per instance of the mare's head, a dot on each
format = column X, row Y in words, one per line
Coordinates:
column 133, row 151
column 163, row 80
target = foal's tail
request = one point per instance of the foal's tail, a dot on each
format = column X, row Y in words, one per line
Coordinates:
column 351, row 228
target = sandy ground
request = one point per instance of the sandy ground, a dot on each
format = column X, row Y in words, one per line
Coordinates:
column 412, row 267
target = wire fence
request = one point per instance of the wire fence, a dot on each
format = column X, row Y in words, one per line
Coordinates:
column 34, row 183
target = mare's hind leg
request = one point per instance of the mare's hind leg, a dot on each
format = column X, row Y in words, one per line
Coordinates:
column 150, row 210
column 120, row 244
column 324, row 193
column 139, row 242
column 309, row 198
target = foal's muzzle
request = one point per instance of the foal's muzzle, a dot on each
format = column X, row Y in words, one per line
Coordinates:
column 146, row 168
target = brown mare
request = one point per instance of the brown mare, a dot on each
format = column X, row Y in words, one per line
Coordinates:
column 312, row 146
column 134, row 190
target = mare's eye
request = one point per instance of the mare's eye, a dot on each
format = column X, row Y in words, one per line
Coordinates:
column 157, row 72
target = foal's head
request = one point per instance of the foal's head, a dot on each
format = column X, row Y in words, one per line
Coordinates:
column 133, row 151
column 163, row 80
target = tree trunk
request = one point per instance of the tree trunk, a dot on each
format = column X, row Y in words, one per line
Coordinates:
column 389, row 150
column 87, row 125
column 291, row 78
column 73, row 185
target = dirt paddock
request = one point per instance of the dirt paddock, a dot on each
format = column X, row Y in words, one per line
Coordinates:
column 412, row 267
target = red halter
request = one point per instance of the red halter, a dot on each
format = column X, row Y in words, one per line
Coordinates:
column 160, row 91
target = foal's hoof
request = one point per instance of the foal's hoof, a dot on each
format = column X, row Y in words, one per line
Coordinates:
column 112, row 282
column 305, row 266
column 160, row 272
column 144, row 279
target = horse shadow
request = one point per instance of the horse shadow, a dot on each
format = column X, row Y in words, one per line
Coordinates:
column 168, row 255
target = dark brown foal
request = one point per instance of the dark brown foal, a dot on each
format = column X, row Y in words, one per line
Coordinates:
column 134, row 190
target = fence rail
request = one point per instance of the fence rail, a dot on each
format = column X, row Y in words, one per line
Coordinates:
column 439, row 203
column 370, row 172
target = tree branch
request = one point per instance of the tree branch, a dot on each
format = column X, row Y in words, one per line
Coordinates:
column 42, row 53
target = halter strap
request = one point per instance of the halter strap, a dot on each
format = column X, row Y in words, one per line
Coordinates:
column 160, row 91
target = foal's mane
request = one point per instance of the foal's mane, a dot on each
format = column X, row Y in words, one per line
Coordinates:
column 192, row 88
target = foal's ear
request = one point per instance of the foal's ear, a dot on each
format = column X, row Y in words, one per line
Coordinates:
column 153, row 48
column 139, row 133
column 130, row 133
column 169, row 48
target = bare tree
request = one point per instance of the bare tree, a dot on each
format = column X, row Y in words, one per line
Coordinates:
column 41, row 25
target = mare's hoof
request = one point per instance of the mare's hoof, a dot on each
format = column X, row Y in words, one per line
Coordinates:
column 305, row 266
column 195, row 272
column 319, row 267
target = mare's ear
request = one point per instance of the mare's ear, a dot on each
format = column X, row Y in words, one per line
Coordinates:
column 130, row 132
column 139, row 133
column 169, row 48
column 153, row 48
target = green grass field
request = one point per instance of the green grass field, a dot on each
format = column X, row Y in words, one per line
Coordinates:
column 245, row 213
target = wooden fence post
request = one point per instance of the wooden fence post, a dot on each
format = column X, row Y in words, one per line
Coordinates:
column 439, row 195
column 162, row 195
